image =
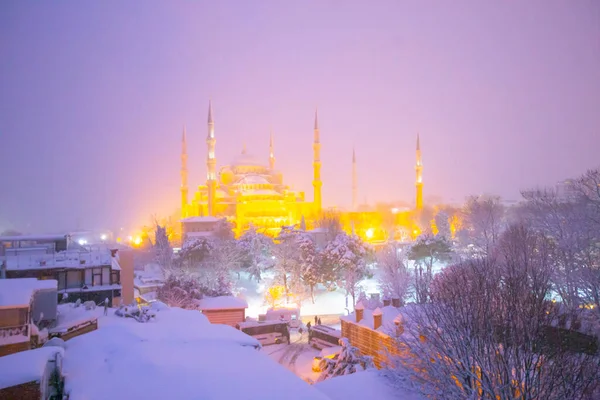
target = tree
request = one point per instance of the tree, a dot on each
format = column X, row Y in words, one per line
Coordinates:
column 256, row 253
column 345, row 258
column 425, row 253
column 223, row 230
column 309, row 262
column 287, row 259
column 348, row 362
column 331, row 223
column 162, row 248
column 394, row 277
column 483, row 219
column 486, row 333
column 181, row 289
column 442, row 222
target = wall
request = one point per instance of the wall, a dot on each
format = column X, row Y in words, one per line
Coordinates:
column 25, row 391
column 371, row 343
column 14, row 348
column 44, row 301
column 226, row 317
column 126, row 263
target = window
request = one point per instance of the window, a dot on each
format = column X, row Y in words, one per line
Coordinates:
column 73, row 279
column 114, row 278
column 106, row 276
column 88, row 276
column 62, row 280
column 97, row 277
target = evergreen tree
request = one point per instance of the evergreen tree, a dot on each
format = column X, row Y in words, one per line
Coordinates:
column 348, row 362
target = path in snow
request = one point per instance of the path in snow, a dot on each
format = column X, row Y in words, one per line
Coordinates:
column 296, row 356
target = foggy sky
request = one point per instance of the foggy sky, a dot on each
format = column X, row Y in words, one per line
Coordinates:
column 94, row 96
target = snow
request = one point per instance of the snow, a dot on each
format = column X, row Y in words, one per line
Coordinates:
column 221, row 303
column 178, row 355
column 81, row 258
column 19, row 291
column 33, row 238
column 370, row 384
column 69, row 316
column 389, row 317
column 25, row 366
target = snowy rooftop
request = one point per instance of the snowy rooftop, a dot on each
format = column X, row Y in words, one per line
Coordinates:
column 364, row 385
column 18, row 292
column 388, row 315
column 33, row 238
column 201, row 219
column 70, row 316
column 152, row 275
column 180, row 355
column 79, row 258
column 25, row 366
column 222, row 303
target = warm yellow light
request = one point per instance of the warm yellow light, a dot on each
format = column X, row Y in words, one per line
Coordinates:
column 369, row 233
column 137, row 240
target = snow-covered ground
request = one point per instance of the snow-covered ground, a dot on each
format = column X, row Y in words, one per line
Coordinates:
column 296, row 356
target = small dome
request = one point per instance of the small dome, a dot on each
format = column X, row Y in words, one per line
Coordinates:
column 253, row 180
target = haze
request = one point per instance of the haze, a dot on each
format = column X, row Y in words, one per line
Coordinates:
column 94, row 97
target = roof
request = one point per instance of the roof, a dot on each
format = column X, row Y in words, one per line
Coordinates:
column 22, row 238
column 221, row 303
column 164, row 362
column 201, row 219
column 245, row 159
column 388, row 315
column 26, row 366
column 19, row 291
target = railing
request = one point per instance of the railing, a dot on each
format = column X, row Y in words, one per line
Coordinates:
column 66, row 259
column 10, row 331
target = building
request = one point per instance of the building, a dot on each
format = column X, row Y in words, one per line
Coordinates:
column 227, row 310
column 82, row 272
column 372, row 331
column 25, row 304
column 196, row 227
column 32, row 375
column 248, row 191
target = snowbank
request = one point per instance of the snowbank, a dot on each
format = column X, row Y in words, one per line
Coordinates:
column 179, row 355
column 18, row 292
column 25, row 366
column 368, row 384
column 221, row 303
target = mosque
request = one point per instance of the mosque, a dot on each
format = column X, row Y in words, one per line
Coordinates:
column 248, row 192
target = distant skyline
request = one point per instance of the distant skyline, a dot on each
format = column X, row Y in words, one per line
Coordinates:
column 94, row 97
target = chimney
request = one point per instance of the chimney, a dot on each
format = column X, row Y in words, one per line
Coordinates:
column 398, row 322
column 396, row 302
column 377, row 317
column 386, row 301
column 359, row 311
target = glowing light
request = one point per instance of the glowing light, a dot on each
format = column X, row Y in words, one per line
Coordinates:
column 102, row 237
column 82, row 242
column 369, row 233
column 137, row 241
column 395, row 210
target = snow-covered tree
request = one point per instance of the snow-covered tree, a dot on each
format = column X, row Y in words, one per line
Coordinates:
column 162, row 248
column 287, row 259
column 309, row 264
column 442, row 223
column 348, row 362
column 256, row 252
column 345, row 257
column 483, row 219
column 488, row 331
column 223, row 230
column 180, row 289
column 426, row 251
column 393, row 275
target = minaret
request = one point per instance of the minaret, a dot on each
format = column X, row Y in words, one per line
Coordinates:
column 184, row 176
column 211, row 163
column 271, row 153
column 354, row 181
column 317, row 167
column 419, row 183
